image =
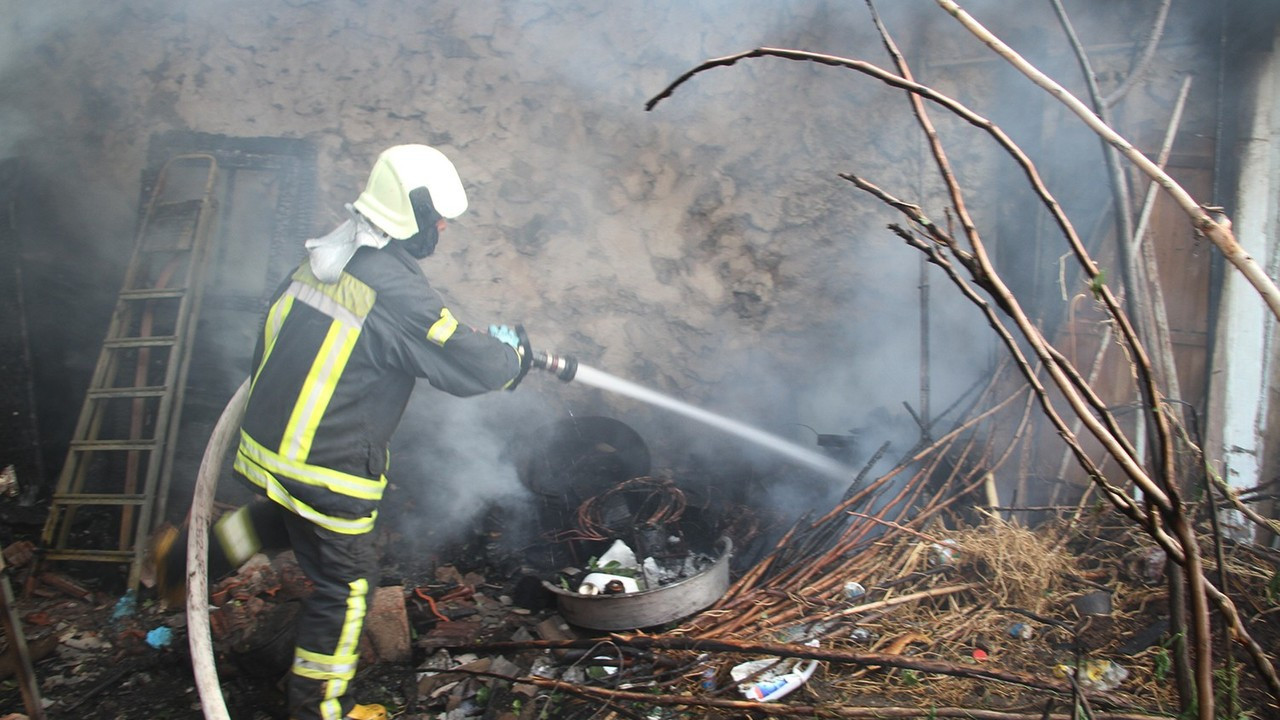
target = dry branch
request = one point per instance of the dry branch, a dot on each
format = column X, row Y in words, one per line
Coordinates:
column 1174, row 546
column 804, row 652
column 1122, row 501
column 783, row 709
column 1119, row 182
column 1219, row 233
column 985, row 275
column 1232, row 496
column 1143, row 247
column 1140, row 65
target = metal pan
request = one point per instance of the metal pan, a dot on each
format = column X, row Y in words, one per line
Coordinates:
column 647, row 608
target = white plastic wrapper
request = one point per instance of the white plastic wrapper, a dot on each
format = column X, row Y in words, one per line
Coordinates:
column 775, row 683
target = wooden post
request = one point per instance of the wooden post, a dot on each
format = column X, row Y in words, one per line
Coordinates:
column 18, row 647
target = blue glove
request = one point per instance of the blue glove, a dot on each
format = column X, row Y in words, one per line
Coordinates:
column 519, row 341
column 506, row 334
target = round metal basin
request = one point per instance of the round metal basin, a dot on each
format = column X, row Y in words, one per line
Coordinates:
column 656, row 606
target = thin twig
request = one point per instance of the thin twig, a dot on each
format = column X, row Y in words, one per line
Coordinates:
column 1143, row 247
column 1232, row 496
column 912, row 211
column 1139, row 67
column 779, row 709
column 1119, row 183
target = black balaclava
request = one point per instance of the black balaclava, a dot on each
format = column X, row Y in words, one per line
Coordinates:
column 423, row 243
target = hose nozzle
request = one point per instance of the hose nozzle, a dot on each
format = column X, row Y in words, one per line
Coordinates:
column 562, row 366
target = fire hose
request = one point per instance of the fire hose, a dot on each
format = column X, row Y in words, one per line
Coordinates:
column 200, row 638
column 198, row 634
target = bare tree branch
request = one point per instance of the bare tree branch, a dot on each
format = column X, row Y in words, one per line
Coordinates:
column 1142, row 247
column 832, row 655
column 1090, row 268
column 1119, row 183
column 1122, row 501
column 1232, row 496
column 1218, row 232
column 1139, row 67
column 1164, row 515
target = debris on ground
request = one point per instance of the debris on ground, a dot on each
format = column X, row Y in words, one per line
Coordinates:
column 927, row 602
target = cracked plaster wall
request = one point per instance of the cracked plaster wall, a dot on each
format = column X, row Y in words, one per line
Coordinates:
column 706, row 249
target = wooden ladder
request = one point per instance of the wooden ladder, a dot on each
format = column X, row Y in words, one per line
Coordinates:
column 120, row 458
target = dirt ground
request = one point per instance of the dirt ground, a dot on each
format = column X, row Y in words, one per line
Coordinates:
column 98, row 658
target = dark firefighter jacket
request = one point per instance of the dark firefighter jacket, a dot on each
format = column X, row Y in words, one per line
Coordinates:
column 332, row 373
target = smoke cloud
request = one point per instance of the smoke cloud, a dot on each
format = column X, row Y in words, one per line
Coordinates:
column 707, row 249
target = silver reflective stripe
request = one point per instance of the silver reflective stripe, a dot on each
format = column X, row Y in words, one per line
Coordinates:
column 317, row 299
column 313, row 668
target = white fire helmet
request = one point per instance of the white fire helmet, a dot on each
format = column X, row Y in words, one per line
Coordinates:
column 399, row 171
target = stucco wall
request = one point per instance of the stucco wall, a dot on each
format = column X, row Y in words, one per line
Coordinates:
column 706, row 249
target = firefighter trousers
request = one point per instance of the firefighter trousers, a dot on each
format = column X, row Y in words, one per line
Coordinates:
column 343, row 571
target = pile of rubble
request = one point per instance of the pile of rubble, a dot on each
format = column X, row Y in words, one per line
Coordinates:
column 928, row 604
column 993, row 616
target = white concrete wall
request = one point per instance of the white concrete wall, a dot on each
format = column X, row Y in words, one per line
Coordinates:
column 1244, row 363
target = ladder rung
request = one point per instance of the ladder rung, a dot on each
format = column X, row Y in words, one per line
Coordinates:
column 153, row 294
column 165, row 250
column 90, row 555
column 99, row 499
column 91, row 445
column 129, row 392
column 178, row 205
column 137, row 342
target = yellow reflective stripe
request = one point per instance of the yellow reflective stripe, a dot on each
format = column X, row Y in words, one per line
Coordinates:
column 348, row 292
column 519, row 361
column 317, row 391
column 357, row 603
column 332, row 480
column 443, row 329
column 275, row 319
column 277, row 493
column 271, row 330
column 236, row 535
column 349, row 638
column 331, row 709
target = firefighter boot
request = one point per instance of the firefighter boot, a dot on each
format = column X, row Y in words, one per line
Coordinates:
column 367, row 712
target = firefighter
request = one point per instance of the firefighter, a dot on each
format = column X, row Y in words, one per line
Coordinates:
column 344, row 339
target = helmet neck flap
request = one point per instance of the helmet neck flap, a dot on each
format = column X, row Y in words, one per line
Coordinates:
column 422, row 243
